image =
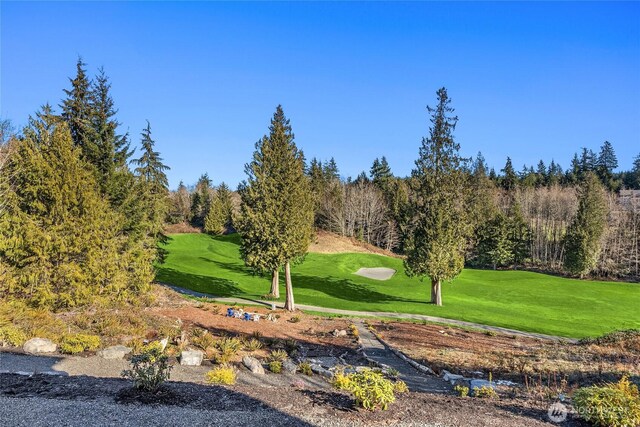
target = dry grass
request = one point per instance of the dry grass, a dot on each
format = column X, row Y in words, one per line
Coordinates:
column 330, row 243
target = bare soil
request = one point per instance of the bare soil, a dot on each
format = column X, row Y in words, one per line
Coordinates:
column 330, row 243
column 520, row 359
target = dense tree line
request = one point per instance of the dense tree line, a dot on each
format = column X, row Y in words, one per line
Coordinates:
column 78, row 225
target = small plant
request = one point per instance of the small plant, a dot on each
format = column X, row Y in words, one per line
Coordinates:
column 341, row 381
column 294, row 319
column 149, row 369
column 370, row 389
column 10, row 335
column 202, row 339
column 485, row 392
column 252, row 345
column 275, row 366
column 461, row 390
column 612, row 405
column 223, row 374
column 400, row 387
column 256, row 335
column 354, row 330
column 227, row 348
column 77, row 343
column 291, row 345
column 490, row 333
column 278, row 356
column 305, row 369
column 393, row 373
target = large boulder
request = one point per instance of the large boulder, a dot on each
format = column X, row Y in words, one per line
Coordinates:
column 39, row 345
column 115, row 352
column 191, row 357
column 253, row 365
column 289, row 367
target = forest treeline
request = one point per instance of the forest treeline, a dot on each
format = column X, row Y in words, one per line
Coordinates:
column 519, row 219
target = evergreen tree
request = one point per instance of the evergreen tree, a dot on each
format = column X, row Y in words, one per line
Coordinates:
column 509, row 180
column 180, row 205
column 154, row 185
column 605, row 164
column 632, row 178
column 220, row 217
column 587, row 163
column 60, row 241
column 436, row 244
column 519, row 234
column 381, row 173
column 77, row 111
column 201, row 200
column 276, row 221
column 582, row 241
column 479, row 167
column 331, row 170
column 494, row 247
column 541, row 175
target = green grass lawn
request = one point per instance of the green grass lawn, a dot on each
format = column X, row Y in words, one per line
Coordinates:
column 520, row 300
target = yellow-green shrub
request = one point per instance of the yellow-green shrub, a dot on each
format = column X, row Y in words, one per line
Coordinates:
column 223, row 374
column 485, row 392
column 305, row 368
column 77, row 343
column 370, row 389
column 275, row 366
column 341, row 381
column 10, row 335
column 462, row 391
column 610, row 405
column 400, row 387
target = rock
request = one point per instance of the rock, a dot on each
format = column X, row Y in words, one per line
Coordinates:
column 253, row 365
column 163, row 343
column 452, row 378
column 191, row 357
column 289, row 367
column 39, row 345
column 477, row 384
column 339, row 333
column 114, row 352
column 327, row 362
column 317, row 369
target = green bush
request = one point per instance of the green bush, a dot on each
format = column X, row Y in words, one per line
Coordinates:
column 275, row 366
column 294, row 319
column 609, row 405
column 400, row 387
column 221, row 375
column 485, row 392
column 370, row 389
column 149, row 369
column 10, row 335
column 77, row 343
column 202, row 339
column 461, row 390
column 305, row 369
column 227, row 348
column 252, row 344
column 278, row 356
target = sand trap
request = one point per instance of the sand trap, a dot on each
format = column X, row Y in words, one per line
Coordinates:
column 377, row 273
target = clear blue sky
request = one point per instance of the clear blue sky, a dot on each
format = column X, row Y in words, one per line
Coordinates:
column 528, row 80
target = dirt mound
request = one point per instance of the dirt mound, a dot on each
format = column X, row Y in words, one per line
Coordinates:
column 330, row 243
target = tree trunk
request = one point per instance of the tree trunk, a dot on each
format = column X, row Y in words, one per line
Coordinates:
column 288, row 303
column 436, row 292
column 275, row 284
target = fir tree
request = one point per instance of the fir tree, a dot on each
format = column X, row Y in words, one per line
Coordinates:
column 276, row 221
column 219, row 219
column 77, row 111
column 582, row 241
column 509, row 180
column 605, row 164
column 435, row 246
column 381, row 173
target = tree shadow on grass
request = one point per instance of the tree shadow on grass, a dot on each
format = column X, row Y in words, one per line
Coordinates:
column 207, row 284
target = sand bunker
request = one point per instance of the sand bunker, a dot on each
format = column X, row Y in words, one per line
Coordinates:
column 377, row 273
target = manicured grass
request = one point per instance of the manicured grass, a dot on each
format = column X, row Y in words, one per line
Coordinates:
column 520, row 300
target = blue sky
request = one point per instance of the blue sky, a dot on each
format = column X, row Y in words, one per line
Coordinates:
column 528, row 80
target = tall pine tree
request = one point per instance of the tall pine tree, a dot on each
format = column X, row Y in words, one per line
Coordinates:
column 436, row 245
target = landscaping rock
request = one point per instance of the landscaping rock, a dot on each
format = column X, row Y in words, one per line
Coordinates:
column 452, row 378
column 163, row 343
column 326, row 362
column 115, row 352
column 253, row 365
column 339, row 333
column 317, row 369
column 39, row 345
column 289, row 367
column 191, row 357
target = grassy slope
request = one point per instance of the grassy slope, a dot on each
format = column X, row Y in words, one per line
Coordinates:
column 515, row 299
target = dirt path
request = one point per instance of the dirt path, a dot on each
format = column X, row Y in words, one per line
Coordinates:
column 353, row 313
column 416, row 381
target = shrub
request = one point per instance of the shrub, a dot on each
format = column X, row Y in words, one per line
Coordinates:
column 612, row 405
column 149, row 369
column 202, row 339
column 275, row 366
column 354, row 330
column 341, row 381
column 278, row 356
column 252, row 344
column 370, row 389
column 223, row 374
column 400, row 387
column 305, row 368
column 291, row 345
column 294, row 319
column 485, row 392
column 227, row 348
column 10, row 335
column 461, row 390
column 393, row 373
column 77, row 343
